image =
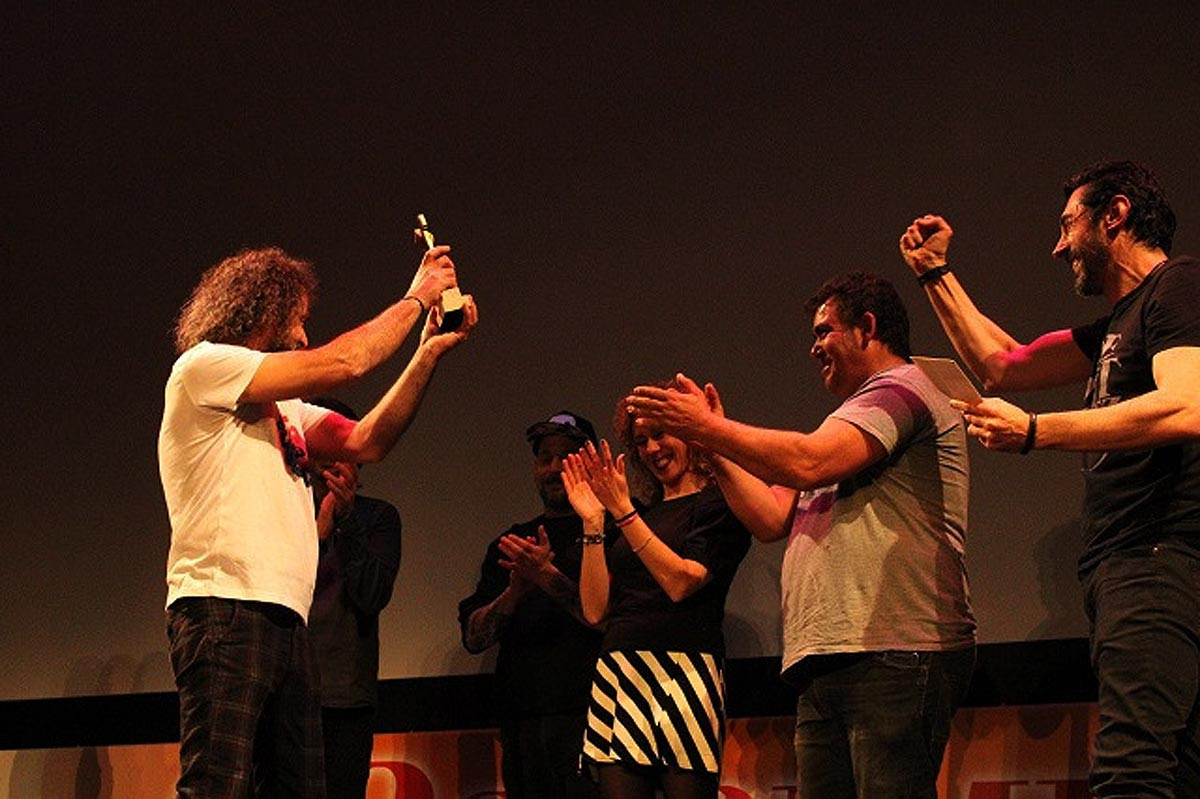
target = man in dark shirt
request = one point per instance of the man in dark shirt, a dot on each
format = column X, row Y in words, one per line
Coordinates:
column 356, row 571
column 1140, row 431
column 527, row 600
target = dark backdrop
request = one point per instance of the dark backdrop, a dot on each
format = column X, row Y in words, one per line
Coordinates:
column 629, row 191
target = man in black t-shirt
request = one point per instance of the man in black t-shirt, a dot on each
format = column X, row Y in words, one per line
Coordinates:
column 1141, row 432
column 358, row 559
column 527, row 600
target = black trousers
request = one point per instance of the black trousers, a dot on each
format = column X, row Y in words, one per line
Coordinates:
column 1144, row 609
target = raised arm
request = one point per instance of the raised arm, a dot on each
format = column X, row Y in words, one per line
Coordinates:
column 372, row 438
column 679, row 577
column 307, row 372
column 766, row 510
column 834, row 451
column 999, row 361
column 593, row 573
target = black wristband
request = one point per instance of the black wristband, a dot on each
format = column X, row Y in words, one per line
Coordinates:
column 1030, row 434
column 932, row 274
column 417, row 300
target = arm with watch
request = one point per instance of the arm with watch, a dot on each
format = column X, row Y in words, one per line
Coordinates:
column 999, row 361
column 595, row 483
column 1168, row 414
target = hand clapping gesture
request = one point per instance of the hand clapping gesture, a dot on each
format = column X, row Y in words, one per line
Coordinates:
column 606, row 477
column 526, row 558
column 341, row 481
column 579, row 492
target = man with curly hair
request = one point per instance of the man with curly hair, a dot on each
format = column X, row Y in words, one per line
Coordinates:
column 234, row 450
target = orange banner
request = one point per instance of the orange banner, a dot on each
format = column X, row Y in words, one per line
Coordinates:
column 1038, row 752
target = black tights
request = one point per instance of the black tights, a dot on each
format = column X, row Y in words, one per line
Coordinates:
column 618, row 781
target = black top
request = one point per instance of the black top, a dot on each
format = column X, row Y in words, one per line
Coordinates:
column 699, row 527
column 355, row 575
column 547, row 655
column 1137, row 497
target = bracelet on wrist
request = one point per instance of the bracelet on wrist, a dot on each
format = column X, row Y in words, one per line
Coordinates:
column 932, row 274
column 643, row 545
column 626, row 519
column 591, row 539
column 1030, row 434
column 417, row 300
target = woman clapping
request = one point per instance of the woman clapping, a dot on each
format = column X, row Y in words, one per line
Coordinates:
column 657, row 710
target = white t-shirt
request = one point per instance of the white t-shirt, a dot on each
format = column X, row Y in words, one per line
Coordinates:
column 242, row 524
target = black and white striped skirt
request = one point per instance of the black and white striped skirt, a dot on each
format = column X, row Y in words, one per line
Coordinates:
column 657, row 709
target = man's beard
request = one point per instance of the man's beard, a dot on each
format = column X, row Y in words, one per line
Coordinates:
column 281, row 343
column 554, row 498
column 1093, row 261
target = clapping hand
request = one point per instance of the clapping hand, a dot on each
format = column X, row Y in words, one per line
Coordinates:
column 526, row 557
column 583, row 499
column 605, row 477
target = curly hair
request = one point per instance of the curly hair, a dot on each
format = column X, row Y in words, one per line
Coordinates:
column 252, row 291
column 1151, row 220
column 859, row 293
column 642, row 482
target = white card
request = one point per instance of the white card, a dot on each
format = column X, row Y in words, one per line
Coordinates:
column 948, row 376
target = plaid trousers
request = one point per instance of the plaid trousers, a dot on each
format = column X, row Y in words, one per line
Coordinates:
column 249, row 701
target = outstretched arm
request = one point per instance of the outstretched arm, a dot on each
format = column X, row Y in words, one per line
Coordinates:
column 999, row 361
column 834, row 451
column 371, row 439
column 678, row 577
column 593, row 573
column 766, row 510
column 1169, row 414
column 305, row 373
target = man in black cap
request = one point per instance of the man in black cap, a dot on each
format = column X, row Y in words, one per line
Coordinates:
column 527, row 600
column 359, row 557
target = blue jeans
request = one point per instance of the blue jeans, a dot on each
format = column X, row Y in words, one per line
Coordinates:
column 249, row 711
column 1144, row 608
column 875, row 724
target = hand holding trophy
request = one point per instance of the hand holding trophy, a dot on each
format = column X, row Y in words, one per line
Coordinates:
column 452, row 299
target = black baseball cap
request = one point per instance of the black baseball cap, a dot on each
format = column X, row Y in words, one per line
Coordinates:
column 563, row 423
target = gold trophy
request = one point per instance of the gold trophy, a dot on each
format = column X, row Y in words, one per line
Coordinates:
column 452, row 301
